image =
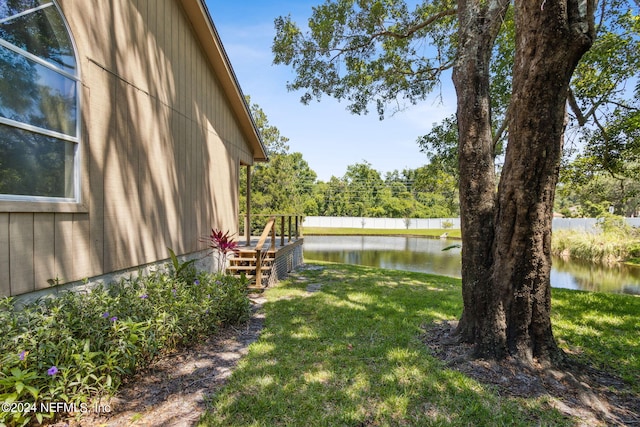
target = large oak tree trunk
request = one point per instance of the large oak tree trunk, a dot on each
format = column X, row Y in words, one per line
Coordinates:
column 478, row 28
column 506, row 288
column 551, row 37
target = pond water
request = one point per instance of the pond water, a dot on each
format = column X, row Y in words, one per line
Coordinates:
column 425, row 255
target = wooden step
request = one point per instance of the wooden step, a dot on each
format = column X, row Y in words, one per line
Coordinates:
column 245, row 253
column 233, row 268
column 251, row 260
column 240, row 268
column 244, row 263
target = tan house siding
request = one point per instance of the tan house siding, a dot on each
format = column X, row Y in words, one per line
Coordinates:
column 161, row 150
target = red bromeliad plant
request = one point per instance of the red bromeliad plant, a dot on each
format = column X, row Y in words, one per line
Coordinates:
column 224, row 245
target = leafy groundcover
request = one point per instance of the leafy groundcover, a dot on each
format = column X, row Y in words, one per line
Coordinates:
column 65, row 352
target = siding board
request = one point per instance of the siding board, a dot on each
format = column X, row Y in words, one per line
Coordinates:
column 82, row 267
column 166, row 193
column 152, row 45
column 99, row 108
column 182, row 74
column 173, row 191
column 135, row 142
column 113, row 187
column 148, row 148
column 64, row 261
column 21, row 253
column 5, row 277
column 190, row 182
column 44, row 249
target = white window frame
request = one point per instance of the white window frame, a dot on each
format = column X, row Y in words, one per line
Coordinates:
column 6, row 200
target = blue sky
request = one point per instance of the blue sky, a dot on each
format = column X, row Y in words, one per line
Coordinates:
column 328, row 136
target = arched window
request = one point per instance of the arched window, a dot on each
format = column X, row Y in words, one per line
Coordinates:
column 39, row 125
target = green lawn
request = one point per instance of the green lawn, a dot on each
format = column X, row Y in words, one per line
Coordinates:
column 350, row 354
column 330, row 231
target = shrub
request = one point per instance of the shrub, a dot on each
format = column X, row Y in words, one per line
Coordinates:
column 223, row 245
column 614, row 224
column 77, row 347
column 634, row 250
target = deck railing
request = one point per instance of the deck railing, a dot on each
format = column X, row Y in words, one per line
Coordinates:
column 290, row 227
column 269, row 229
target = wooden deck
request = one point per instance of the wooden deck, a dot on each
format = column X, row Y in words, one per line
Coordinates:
column 266, row 263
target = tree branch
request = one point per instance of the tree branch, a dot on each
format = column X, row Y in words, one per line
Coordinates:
column 625, row 106
column 575, row 108
column 411, row 31
column 501, row 131
column 387, row 33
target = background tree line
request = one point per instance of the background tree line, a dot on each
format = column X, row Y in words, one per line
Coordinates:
column 590, row 182
column 288, row 185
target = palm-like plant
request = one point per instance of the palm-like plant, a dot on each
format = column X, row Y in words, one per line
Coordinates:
column 223, row 244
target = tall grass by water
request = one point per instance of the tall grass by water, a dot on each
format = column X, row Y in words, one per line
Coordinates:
column 611, row 242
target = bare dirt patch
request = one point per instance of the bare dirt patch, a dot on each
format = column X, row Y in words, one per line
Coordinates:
column 173, row 391
column 588, row 394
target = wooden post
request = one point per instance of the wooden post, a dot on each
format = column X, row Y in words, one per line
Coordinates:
column 247, row 224
column 297, row 231
column 258, row 268
column 289, row 228
column 282, row 230
column 273, row 235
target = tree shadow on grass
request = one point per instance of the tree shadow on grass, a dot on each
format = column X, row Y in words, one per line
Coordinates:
column 348, row 353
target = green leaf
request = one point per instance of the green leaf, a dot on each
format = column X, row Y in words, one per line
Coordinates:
column 33, row 391
column 174, row 259
column 456, row 246
column 9, row 397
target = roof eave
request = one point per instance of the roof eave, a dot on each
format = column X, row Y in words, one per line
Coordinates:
column 205, row 29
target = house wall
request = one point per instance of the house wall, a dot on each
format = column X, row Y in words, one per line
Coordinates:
column 160, row 153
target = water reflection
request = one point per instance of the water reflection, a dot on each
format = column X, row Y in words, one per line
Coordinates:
column 593, row 277
column 426, row 255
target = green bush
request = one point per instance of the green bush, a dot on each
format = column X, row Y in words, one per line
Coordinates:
column 634, row 250
column 614, row 225
column 77, row 347
column 447, row 224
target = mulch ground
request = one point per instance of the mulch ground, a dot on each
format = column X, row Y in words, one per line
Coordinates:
column 593, row 396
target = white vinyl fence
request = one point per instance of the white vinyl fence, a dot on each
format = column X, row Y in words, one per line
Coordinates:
column 385, row 223
column 586, row 224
